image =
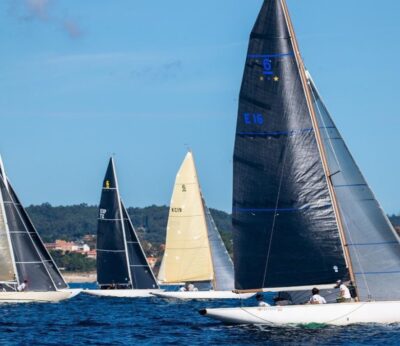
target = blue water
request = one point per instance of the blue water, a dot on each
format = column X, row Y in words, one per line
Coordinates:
column 88, row 320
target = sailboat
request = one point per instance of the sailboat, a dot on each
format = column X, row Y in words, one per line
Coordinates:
column 24, row 260
column 303, row 214
column 122, row 267
column 194, row 252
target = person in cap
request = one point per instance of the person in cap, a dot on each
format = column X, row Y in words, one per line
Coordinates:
column 260, row 300
column 316, row 298
column 344, row 292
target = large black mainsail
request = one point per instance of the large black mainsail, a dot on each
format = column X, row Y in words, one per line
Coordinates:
column 303, row 214
column 120, row 258
column 31, row 260
column 285, row 229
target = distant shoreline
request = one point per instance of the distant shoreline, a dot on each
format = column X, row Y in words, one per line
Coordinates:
column 79, row 277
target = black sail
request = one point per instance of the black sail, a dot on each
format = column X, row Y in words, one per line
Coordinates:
column 112, row 265
column 141, row 273
column 46, row 258
column 28, row 258
column 285, row 230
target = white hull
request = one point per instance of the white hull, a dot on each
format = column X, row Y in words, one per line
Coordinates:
column 330, row 314
column 126, row 293
column 38, row 297
column 203, row 295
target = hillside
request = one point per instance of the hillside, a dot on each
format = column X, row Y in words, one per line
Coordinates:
column 73, row 222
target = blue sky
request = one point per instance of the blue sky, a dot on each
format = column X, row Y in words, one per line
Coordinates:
column 80, row 80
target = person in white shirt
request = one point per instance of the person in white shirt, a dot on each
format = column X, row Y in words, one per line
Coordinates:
column 260, row 300
column 192, row 288
column 344, row 292
column 22, row 286
column 316, row 298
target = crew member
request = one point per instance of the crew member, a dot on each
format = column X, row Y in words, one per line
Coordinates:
column 22, row 286
column 344, row 292
column 316, row 298
column 260, row 300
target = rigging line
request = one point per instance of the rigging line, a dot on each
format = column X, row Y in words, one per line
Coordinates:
column 276, row 210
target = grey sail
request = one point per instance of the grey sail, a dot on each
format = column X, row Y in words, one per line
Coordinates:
column 285, row 228
column 141, row 273
column 373, row 244
column 28, row 261
column 46, row 258
column 223, row 266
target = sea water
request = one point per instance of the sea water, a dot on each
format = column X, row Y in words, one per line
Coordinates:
column 90, row 320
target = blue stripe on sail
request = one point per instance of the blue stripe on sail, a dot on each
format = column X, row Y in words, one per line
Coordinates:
column 350, row 185
column 378, row 273
column 261, row 56
column 378, row 243
column 275, row 133
column 268, row 210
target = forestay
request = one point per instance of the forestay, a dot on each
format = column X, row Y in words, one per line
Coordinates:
column 285, row 229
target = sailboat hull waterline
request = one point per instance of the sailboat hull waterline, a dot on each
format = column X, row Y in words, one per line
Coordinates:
column 329, row 314
column 38, row 297
column 127, row 293
column 203, row 295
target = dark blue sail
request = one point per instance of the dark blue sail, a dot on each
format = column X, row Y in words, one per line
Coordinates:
column 285, row 229
column 120, row 257
column 112, row 265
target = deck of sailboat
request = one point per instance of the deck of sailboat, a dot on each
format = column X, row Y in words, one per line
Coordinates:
column 124, row 293
column 330, row 314
column 38, row 297
column 193, row 295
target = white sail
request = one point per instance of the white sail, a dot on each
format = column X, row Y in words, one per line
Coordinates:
column 187, row 256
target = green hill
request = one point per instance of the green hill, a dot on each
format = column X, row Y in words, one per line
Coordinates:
column 73, row 222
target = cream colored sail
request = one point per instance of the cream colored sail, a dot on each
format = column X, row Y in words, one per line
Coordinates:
column 187, row 256
column 6, row 262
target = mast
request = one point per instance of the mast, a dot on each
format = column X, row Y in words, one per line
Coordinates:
column 320, row 144
column 122, row 221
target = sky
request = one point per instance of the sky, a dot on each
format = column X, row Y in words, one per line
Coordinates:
column 146, row 80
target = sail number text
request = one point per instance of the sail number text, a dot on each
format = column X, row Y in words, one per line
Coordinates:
column 253, row 118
